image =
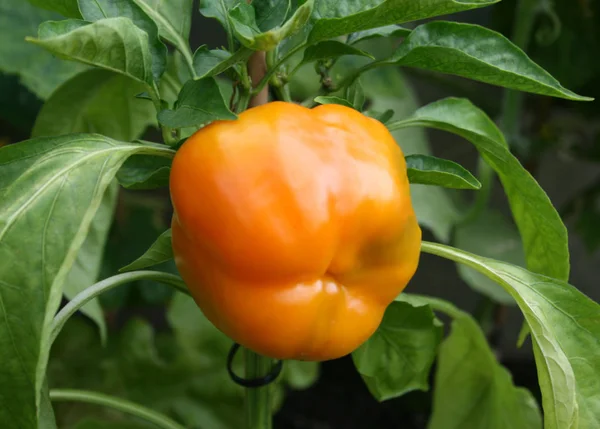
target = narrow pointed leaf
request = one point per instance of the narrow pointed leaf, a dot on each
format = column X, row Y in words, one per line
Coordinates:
column 477, row 53
column 429, row 170
column 333, row 18
column 544, row 235
column 160, row 251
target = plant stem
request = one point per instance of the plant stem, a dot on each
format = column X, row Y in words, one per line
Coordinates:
column 258, row 401
column 107, row 284
column 128, row 407
column 512, row 110
column 272, row 70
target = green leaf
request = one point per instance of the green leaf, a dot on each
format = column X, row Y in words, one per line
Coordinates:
column 94, row 10
column 86, row 268
column 477, row 53
column 38, row 70
column 209, row 63
column 335, row 18
column 173, row 18
column 382, row 117
column 544, row 235
column 242, row 18
column 398, row 356
column 331, row 99
column 144, row 172
column 565, row 332
column 67, row 8
column 386, row 31
column 44, row 221
column 200, row 102
column 160, row 251
column 472, row 390
column 492, row 236
column 429, row 170
column 330, row 49
column 114, row 44
column 271, row 13
column 96, row 101
column 356, row 95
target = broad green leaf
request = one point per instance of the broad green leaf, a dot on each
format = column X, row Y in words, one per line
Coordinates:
column 382, row 117
column 173, row 18
column 209, row 63
column 96, row 101
column 114, row 44
column 477, row 53
column 94, row 10
column 397, row 358
column 386, row 31
column 387, row 89
column 86, row 268
column 356, row 95
column 271, row 13
column 49, row 195
column 144, row 172
column 242, row 18
column 544, row 236
column 330, row 49
column 334, row 18
column 38, row 70
column 492, row 236
column 565, row 331
column 429, row 170
column 67, row 8
column 472, row 390
column 200, row 102
column 331, row 99
column 160, row 251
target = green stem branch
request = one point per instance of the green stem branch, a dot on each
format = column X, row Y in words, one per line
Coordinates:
column 272, row 70
column 258, row 400
column 93, row 291
column 122, row 405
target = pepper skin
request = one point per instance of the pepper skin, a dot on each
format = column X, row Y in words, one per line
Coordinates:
column 293, row 228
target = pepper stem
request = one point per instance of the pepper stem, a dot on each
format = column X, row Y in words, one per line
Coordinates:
column 258, row 401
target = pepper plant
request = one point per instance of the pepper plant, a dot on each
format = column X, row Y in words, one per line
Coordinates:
column 108, row 70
